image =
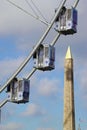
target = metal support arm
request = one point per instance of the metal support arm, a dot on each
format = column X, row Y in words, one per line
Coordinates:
column 76, row 3
column 3, row 103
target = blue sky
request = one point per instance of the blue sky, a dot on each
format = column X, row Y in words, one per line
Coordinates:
column 18, row 34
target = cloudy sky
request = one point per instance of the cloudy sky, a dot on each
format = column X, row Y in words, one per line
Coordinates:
column 19, row 32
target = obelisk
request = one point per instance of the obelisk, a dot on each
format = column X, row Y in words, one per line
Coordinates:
column 69, row 109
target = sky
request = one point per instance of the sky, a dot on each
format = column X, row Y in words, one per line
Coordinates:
column 19, row 32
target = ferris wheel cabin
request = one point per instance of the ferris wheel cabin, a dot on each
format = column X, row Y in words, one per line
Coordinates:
column 67, row 21
column 18, row 91
column 44, row 57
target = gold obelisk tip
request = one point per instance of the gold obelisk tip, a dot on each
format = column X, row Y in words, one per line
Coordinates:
column 68, row 54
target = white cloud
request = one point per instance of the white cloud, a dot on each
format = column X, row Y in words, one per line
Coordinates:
column 7, row 66
column 11, row 126
column 48, row 87
column 26, row 43
column 33, row 110
column 46, row 129
column 14, row 21
column 23, row 44
column 81, row 81
column 83, row 73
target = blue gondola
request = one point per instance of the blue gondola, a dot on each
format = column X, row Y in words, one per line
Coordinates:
column 18, row 91
column 44, row 57
column 67, row 21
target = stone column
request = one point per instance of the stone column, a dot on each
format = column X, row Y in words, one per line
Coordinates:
column 69, row 109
